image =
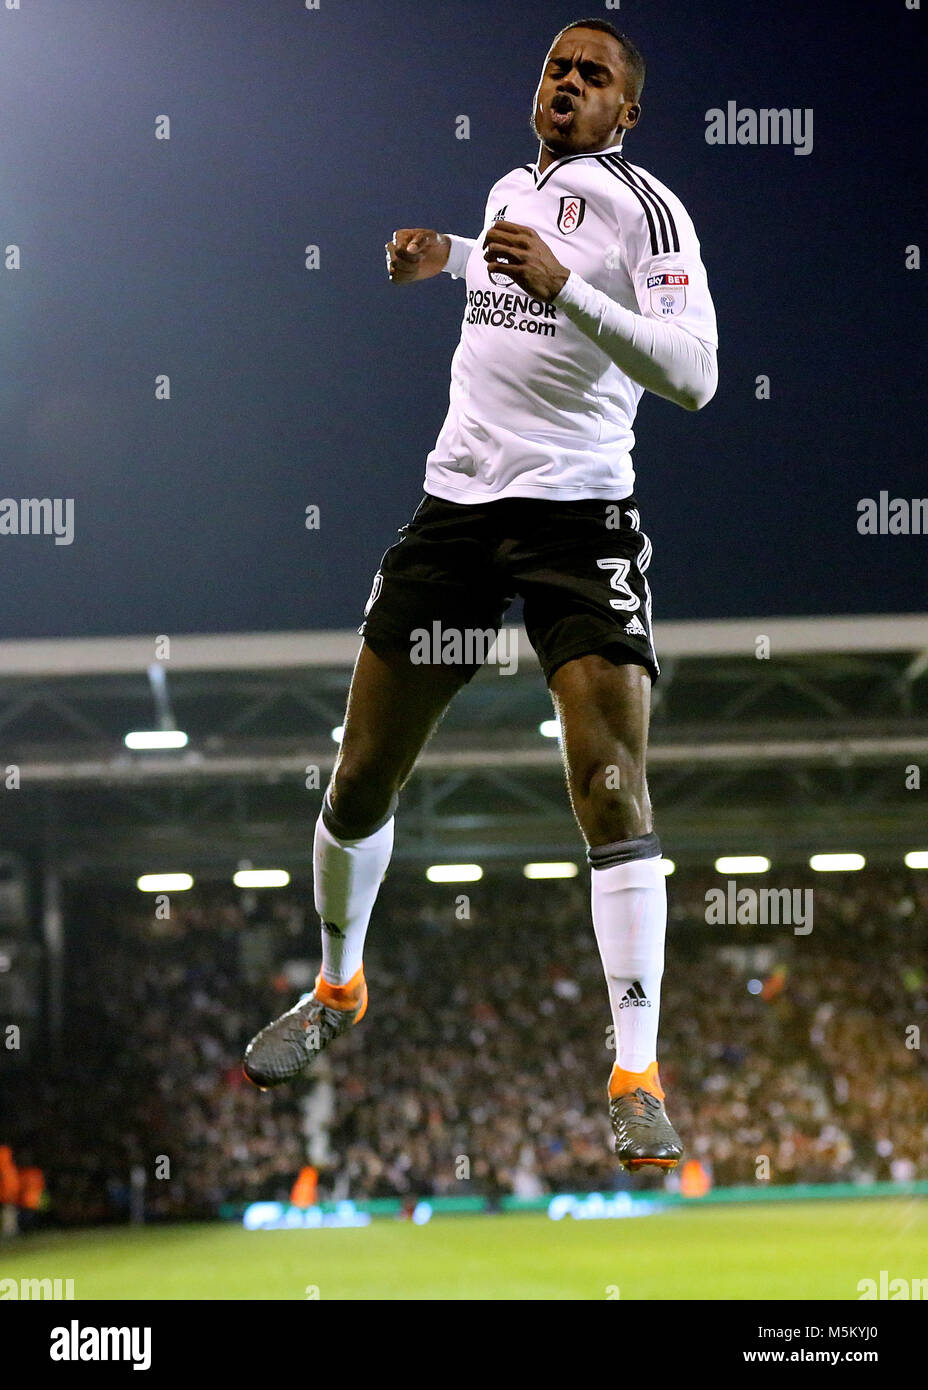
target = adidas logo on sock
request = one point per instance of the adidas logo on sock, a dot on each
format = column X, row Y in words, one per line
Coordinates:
column 331, row 929
column 635, row 628
column 634, row 997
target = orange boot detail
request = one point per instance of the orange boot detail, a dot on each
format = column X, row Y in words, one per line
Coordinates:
column 622, row 1083
column 347, row 996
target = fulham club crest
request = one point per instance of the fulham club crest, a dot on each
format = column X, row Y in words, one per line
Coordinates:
column 571, row 213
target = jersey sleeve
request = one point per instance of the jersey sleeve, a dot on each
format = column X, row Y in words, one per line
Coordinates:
column 670, row 346
column 664, row 263
column 461, row 247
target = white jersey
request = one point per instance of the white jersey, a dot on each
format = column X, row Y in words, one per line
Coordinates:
column 537, row 409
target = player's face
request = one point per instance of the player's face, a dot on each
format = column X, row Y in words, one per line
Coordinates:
column 582, row 98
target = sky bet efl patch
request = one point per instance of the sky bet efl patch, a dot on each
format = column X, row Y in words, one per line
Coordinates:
column 668, row 292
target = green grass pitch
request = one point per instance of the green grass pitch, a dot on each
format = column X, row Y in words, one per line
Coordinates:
column 785, row 1250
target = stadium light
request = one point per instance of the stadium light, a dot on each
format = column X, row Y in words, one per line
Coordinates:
column 261, row 878
column 164, row 883
column 835, row 863
column 156, row 738
column 668, row 867
column 552, row 870
column 338, row 733
column 917, row 859
column 453, row 873
column 742, row 864
column 755, row 986
column 550, row 728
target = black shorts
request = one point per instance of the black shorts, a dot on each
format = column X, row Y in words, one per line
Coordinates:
column 579, row 566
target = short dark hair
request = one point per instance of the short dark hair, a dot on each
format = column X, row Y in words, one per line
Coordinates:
column 634, row 59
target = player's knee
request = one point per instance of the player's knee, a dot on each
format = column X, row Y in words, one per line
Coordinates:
column 614, row 796
column 620, row 775
column 360, row 797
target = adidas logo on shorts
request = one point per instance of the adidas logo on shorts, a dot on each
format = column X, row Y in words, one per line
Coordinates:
column 635, row 628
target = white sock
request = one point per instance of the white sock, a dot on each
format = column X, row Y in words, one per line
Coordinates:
column 629, row 903
column 347, row 875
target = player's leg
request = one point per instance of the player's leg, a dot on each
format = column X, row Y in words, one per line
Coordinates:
column 604, row 710
column 435, row 571
column 603, row 705
column 582, row 569
column 440, row 569
column 393, row 706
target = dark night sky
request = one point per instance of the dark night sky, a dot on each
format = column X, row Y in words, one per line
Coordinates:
column 293, row 387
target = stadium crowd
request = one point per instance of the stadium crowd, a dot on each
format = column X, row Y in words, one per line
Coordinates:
column 483, row 1060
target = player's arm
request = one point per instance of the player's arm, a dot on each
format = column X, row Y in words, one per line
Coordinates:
column 673, row 356
column 661, row 355
column 417, row 253
column 670, row 347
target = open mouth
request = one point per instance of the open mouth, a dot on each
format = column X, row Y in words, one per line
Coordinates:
column 561, row 111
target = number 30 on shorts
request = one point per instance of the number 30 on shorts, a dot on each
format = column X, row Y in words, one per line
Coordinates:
column 628, row 601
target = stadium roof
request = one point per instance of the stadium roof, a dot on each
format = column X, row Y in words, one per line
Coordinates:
column 800, row 750
column 280, row 650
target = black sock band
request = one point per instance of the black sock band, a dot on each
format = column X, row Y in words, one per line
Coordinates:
column 623, row 851
column 343, row 832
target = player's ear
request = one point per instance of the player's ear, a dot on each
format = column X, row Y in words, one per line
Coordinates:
column 631, row 115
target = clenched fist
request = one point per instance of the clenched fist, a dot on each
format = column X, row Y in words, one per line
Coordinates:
column 416, row 253
column 520, row 253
